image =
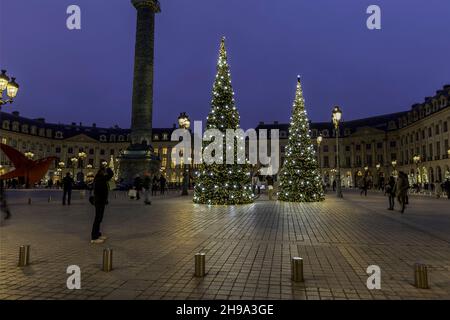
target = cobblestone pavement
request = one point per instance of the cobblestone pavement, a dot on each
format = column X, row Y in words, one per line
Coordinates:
column 248, row 248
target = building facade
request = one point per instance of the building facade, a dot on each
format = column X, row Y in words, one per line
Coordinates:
column 414, row 141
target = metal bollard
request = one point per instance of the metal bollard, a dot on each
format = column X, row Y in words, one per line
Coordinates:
column 297, row 269
column 107, row 260
column 24, row 256
column 200, row 265
column 49, row 199
column 29, row 200
column 421, row 276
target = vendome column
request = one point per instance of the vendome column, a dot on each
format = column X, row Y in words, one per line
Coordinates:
column 139, row 158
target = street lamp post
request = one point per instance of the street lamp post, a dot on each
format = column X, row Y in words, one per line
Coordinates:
column 394, row 164
column 185, row 123
column 81, row 156
column 416, row 160
column 319, row 142
column 30, row 156
column 378, row 166
column 337, row 116
column 73, row 162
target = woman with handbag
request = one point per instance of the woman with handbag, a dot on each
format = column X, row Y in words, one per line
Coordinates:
column 100, row 201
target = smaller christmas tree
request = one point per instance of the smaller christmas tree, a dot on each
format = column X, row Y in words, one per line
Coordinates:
column 300, row 176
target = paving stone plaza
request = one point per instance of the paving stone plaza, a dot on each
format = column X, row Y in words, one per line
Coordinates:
column 248, row 248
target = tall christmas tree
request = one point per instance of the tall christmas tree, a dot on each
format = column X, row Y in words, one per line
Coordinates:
column 223, row 183
column 300, row 176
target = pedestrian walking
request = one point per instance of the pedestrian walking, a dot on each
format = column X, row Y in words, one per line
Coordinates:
column 67, row 183
column 138, row 186
column 162, row 184
column 4, row 208
column 155, row 185
column 401, row 190
column 438, row 189
column 389, row 190
column 364, row 186
column 147, row 184
column 100, row 201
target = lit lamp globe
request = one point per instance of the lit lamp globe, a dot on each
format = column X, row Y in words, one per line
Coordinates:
column 11, row 88
column 4, row 80
column 337, row 115
column 183, row 121
column 319, row 140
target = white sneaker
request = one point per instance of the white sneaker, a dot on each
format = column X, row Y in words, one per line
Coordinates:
column 103, row 238
column 97, row 241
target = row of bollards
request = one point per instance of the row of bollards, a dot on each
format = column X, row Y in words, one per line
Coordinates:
column 420, row 270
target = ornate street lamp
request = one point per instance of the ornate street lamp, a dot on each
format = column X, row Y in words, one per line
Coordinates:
column 394, row 164
column 73, row 162
column 185, row 123
column 336, row 117
column 319, row 142
column 11, row 88
column 29, row 155
column 416, row 160
column 81, row 156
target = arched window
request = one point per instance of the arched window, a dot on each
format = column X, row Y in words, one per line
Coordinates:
column 5, row 125
column 102, row 138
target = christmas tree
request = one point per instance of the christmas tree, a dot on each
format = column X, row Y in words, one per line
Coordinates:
column 223, row 183
column 300, row 176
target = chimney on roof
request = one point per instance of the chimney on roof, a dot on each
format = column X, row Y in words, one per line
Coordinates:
column 73, row 124
column 41, row 120
column 94, row 125
column 81, row 124
column 261, row 123
column 275, row 122
column 15, row 113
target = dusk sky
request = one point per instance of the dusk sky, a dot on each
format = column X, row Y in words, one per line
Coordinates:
column 86, row 75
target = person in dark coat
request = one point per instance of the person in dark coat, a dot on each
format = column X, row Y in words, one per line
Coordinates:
column 138, row 186
column 389, row 190
column 162, row 184
column 155, row 185
column 447, row 187
column 3, row 203
column 101, row 190
column 67, row 183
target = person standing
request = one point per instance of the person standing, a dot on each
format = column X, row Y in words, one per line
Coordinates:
column 147, row 184
column 155, row 185
column 3, row 203
column 67, row 183
column 100, row 201
column 389, row 190
column 447, row 187
column 162, row 184
column 401, row 190
column 138, row 186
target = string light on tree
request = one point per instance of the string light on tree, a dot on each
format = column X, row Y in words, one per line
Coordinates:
column 223, row 183
column 300, row 179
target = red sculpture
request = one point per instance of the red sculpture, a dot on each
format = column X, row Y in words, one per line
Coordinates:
column 31, row 170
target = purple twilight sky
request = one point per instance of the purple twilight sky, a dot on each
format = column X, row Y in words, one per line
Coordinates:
column 86, row 75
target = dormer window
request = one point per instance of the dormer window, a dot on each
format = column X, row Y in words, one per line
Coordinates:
column 34, row 130
column 24, row 128
column 155, row 137
column 5, row 125
column 58, row 135
column 102, row 138
column 121, row 138
column 325, row 133
column 165, row 136
column 112, row 138
column 15, row 126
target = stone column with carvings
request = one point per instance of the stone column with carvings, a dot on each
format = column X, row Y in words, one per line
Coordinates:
column 141, row 119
